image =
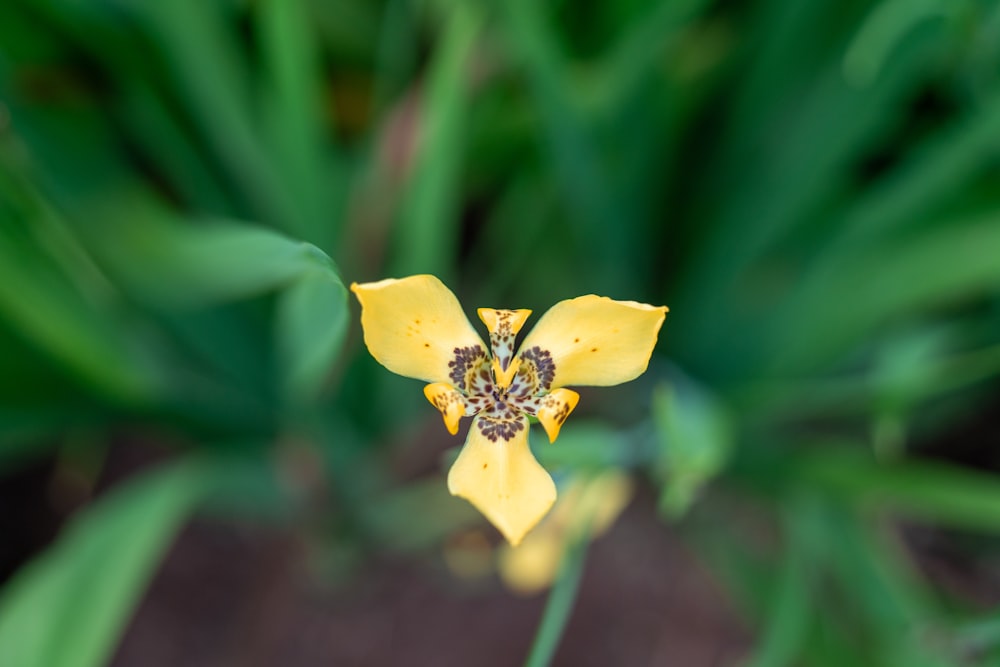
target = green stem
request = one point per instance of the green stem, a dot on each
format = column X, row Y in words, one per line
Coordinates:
column 560, row 604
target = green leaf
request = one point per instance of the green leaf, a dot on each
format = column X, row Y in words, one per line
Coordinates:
column 695, row 437
column 51, row 295
column 887, row 601
column 293, row 105
column 211, row 77
column 598, row 212
column 427, row 234
column 311, row 323
column 585, row 444
column 831, row 310
column 935, row 492
column 791, row 610
column 69, row 607
column 179, row 263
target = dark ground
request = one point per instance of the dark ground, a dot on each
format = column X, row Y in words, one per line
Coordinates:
column 235, row 595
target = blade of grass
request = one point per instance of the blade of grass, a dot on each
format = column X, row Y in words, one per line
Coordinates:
column 790, row 610
column 888, row 603
column 427, row 233
column 69, row 607
column 803, row 154
column 55, row 299
column 934, row 492
column 935, row 170
column 603, row 240
column 397, row 52
column 212, row 82
column 292, row 104
column 169, row 145
column 950, row 262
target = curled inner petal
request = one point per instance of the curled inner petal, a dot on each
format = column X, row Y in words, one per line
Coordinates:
column 501, row 477
column 553, row 408
column 450, row 402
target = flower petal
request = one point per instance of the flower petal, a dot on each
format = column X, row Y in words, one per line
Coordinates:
column 532, row 567
column 415, row 327
column 450, row 402
column 585, row 504
column 498, row 474
column 553, row 409
column 592, row 340
column 503, row 326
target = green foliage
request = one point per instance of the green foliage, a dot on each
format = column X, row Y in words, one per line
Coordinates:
column 186, row 188
column 68, row 608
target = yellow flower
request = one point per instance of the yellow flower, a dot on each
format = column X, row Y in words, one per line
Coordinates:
column 587, row 507
column 415, row 327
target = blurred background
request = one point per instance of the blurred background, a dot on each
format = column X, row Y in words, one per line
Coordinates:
column 200, row 464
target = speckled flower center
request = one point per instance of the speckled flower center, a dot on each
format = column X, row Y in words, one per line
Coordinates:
column 502, row 410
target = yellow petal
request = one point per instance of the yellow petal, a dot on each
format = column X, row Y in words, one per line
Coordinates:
column 531, row 567
column 592, row 340
column 449, row 401
column 554, row 408
column 503, row 322
column 501, row 477
column 415, row 327
column 585, row 504
column 503, row 326
column 600, row 502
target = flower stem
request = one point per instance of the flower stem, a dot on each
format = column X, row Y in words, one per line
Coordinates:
column 560, row 604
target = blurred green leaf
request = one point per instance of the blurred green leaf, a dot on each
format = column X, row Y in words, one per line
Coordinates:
column 881, row 283
column 293, row 108
column 311, row 324
column 695, row 436
column 567, row 136
column 935, row 492
column 791, row 609
column 583, row 444
column 69, row 607
column 50, row 295
column 882, row 30
column 812, row 128
column 886, row 599
column 212, row 81
column 175, row 262
column 427, row 233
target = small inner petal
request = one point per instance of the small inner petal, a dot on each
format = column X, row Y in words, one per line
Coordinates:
column 503, row 326
column 554, row 408
column 450, row 402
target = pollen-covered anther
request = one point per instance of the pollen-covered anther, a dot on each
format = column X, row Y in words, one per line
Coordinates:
column 554, row 408
column 450, row 402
